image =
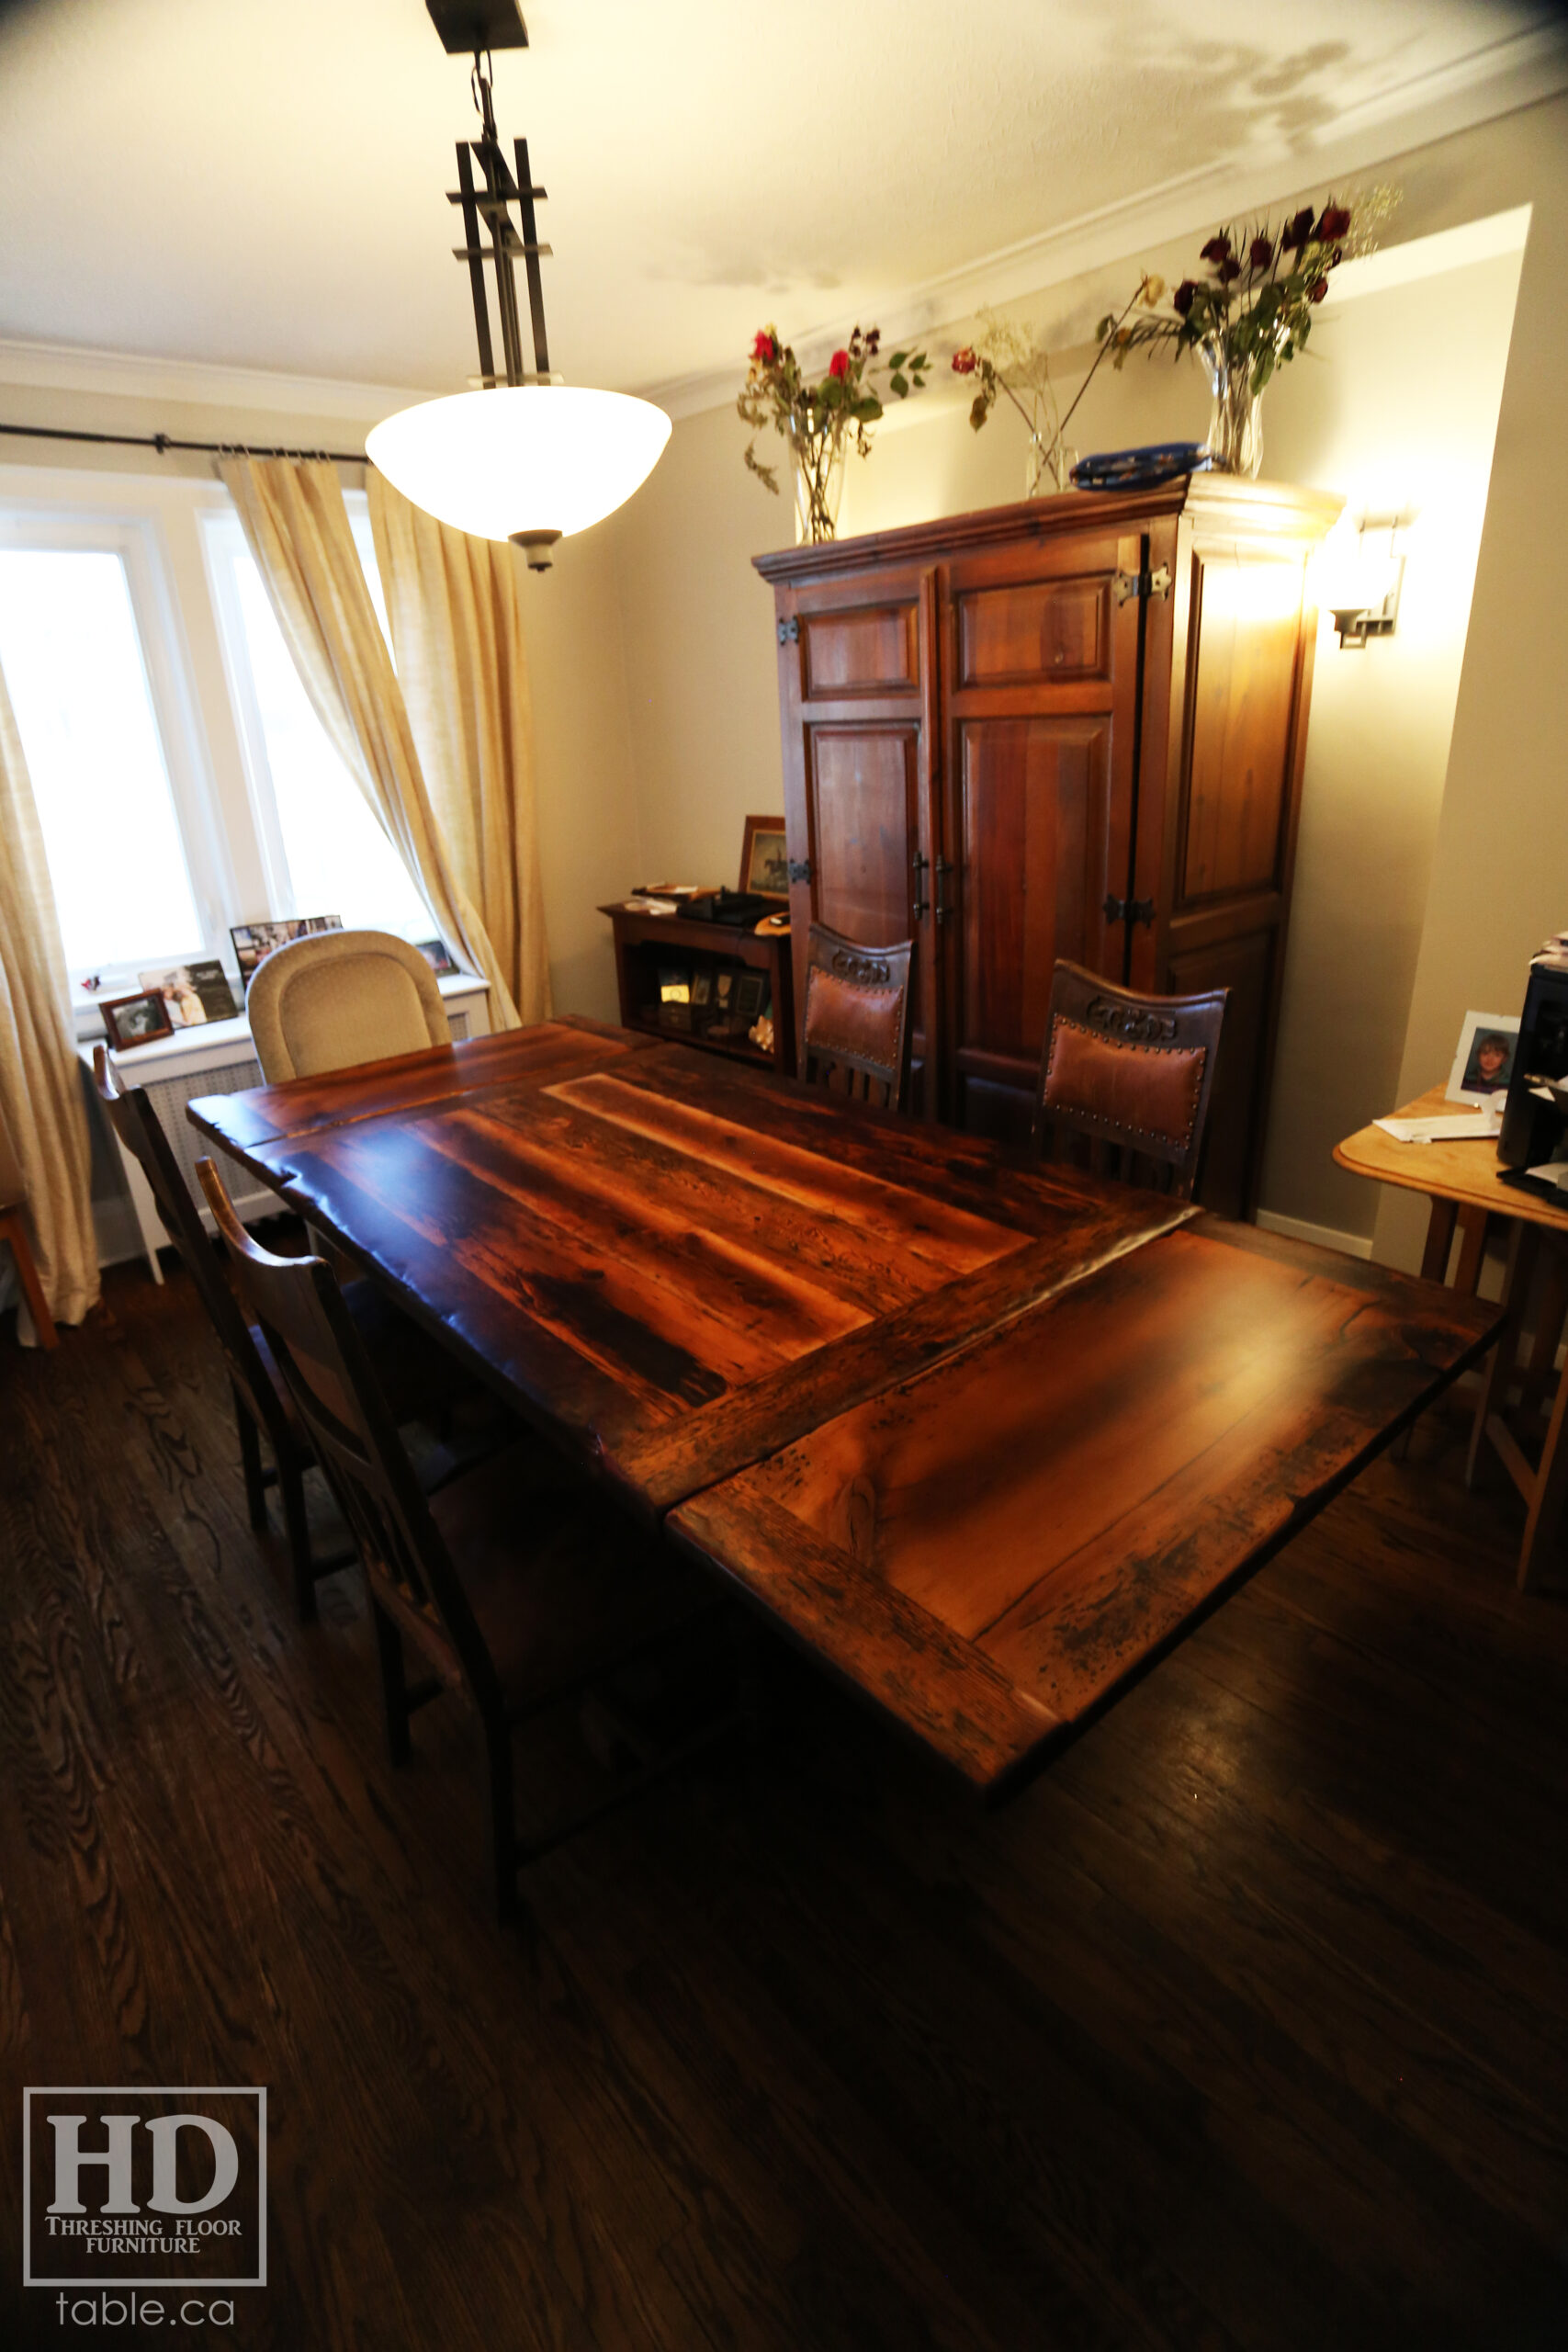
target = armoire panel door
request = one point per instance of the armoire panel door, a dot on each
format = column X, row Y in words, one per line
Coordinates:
column 1033, row 823
column 862, row 785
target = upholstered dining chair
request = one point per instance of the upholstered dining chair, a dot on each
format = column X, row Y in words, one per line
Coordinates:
column 14, row 1229
column 418, row 1375
column 339, row 997
column 1125, row 1080
column 516, row 1584
column 855, row 1028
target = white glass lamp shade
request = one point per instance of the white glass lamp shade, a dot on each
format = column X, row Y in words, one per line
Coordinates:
column 528, row 462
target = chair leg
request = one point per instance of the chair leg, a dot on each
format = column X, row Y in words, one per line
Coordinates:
column 394, row 1686
column 251, row 1464
column 502, row 1820
column 13, row 1230
column 291, row 1486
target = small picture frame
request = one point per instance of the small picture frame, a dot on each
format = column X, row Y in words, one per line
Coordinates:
column 194, row 992
column 255, row 940
column 764, row 858
column 1484, row 1058
column 750, row 992
column 136, row 1020
column 702, row 987
column 438, row 955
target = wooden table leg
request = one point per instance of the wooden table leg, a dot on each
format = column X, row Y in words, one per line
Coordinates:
column 13, row 1230
column 1551, row 1484
column 1440, row 1234
column 1524, row 1247
column 1472, row 1251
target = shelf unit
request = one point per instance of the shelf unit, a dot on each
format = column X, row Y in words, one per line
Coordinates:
column 644, row 942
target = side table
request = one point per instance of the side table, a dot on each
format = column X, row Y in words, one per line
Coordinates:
column 1463, row 1182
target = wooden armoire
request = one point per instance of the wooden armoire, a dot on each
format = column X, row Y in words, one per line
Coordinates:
column 1074, row 727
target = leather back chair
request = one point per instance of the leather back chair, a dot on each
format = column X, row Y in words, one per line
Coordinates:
column 338, row 998
column 13, row 1229
column 1125, row 1080
column 855, row 1027
column 517, row 1583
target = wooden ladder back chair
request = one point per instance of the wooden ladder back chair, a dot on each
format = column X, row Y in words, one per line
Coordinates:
column 515, row 1583
column 855, row 1027
column 1125, row 1080
column 260, row 1408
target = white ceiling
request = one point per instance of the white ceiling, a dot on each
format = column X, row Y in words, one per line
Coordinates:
column 259, row 183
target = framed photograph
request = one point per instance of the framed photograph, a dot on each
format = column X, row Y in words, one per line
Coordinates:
column 1484, row 1058
column 751, row 990
column 438, row 955
column 702, row 987
column 255, row 940
column 194, row 994
column 764, row 860
column 136, row 1020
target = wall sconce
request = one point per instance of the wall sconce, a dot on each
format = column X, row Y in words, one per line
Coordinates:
column 1365, row 578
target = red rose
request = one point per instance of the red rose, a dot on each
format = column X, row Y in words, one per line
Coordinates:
column 1228, row 270
column 1217, row 249
column 1335, row 220
column 1260, row 253
column 964, row 362
column 838, row 365
column 766, row 347
column 1316, row 292
column 1298, row 229
column 1181, row 300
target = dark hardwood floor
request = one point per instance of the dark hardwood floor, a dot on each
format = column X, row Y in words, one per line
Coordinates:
column 1245, row 2026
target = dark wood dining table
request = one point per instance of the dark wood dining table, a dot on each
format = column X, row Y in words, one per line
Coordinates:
column 986, row 1437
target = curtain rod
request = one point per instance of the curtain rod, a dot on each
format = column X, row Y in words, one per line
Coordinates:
column 164, row 441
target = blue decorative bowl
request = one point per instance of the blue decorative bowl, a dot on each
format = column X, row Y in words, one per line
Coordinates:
column 1141, row 469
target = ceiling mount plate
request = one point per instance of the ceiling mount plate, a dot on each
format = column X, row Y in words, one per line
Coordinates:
column 468, row 26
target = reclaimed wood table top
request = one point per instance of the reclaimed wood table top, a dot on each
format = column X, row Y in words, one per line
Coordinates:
column 986, row 1437
column 1466, row 1170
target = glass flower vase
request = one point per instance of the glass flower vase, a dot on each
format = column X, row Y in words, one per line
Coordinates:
column 816, row 461
column 1235, row 420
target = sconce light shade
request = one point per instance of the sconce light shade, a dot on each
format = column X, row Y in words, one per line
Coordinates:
column 529, row 462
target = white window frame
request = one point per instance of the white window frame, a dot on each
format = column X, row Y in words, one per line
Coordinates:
column 46, row 528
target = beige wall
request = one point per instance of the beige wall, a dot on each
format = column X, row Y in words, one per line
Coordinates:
column 1399, row 410
column 1499, row 878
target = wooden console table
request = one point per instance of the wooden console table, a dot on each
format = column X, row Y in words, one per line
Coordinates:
column 1461, row 1179
column 643, row 941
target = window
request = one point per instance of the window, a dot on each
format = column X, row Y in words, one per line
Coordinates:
column 74, row 658
column 184, row 783
column 323, row 849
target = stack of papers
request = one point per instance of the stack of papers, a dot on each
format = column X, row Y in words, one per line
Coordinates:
column 1445, row 1127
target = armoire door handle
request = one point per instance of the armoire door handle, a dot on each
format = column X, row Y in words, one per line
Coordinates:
column 945, row 866
column 919, row 863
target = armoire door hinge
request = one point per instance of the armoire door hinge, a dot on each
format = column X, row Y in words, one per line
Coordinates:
column 789, row 632
column 1142, row 583
column 800, row 869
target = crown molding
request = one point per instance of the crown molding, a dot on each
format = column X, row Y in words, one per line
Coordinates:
column 72, row 367
column 1500, row 78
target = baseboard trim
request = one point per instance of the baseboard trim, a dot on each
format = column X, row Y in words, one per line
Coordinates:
column 1321, row 1237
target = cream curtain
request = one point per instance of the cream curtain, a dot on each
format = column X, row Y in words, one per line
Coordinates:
column 297, row 529
column 40, row 1077
column 457, row 624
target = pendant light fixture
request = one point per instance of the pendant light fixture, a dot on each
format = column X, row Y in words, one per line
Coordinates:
column 524, row 456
